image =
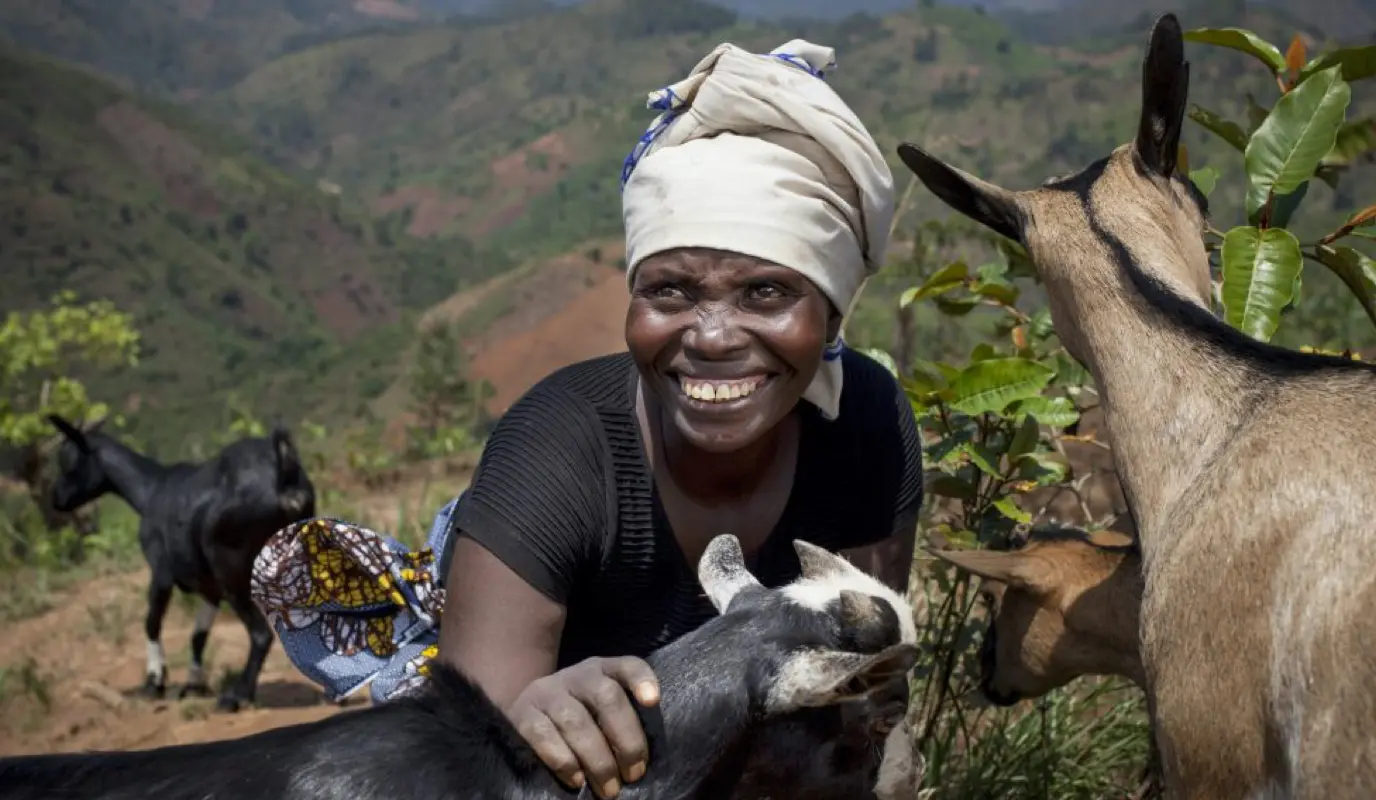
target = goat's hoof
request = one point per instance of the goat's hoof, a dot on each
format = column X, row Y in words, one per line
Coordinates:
column 152, row 690
column 194, row 690
column 231, row 703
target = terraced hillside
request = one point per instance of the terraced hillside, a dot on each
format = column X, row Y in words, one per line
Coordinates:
column 515, row 132
column 294, row 284
column 243, row 279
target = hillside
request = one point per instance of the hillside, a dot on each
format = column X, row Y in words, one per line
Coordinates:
column 296, row 285
column 515, row 133
column 185, row 47
column 242, row 278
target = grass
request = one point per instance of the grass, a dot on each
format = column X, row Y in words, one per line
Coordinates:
column 1087, row 740
column 53, row 564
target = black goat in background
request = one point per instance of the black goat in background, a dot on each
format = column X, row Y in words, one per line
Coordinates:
column 201, row 526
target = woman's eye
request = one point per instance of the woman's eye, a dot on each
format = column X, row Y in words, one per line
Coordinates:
column 766, row 291
column 665, row 291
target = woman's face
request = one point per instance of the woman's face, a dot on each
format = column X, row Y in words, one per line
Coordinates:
column 727, row 342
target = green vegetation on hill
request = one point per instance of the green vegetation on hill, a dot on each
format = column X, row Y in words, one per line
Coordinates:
column 170, row 45
column 521, row 126
column 391, row 151
column 241, row 278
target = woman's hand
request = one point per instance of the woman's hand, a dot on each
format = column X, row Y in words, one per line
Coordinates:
column 582, row 725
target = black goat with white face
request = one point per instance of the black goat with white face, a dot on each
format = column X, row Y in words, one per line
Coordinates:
column 832, row 637
column 200, row 527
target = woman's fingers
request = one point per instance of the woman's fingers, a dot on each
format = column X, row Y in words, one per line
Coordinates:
column 618, row 722
column 635, row 674
column 545, row 738
column 582, row 734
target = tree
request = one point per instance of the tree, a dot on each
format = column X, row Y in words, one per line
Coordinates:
column 1305, row 135
column 447, row 406
column 41, row 354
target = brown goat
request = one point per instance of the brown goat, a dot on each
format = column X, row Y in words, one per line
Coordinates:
column 1248, row 468
column 1062, row 606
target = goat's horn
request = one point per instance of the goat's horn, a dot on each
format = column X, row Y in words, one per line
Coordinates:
column 722, row 572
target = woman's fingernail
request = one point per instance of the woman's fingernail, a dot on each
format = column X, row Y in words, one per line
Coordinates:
column 636, row 772
column 611, row 787
column 578, row 780
column 647, row 693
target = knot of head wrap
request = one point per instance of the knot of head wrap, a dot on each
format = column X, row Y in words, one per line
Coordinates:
column 756, row 154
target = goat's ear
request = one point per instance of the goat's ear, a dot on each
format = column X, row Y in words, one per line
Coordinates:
column 818, row 563
column 1165, row 89
column 73, row 434
column 825, row 677
column 722, row 572
column 1111, row 540
column 994, row 207
column 93, row 427
column 1010, row 567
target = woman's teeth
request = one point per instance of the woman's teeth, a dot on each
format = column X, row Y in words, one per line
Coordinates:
column 719, row 391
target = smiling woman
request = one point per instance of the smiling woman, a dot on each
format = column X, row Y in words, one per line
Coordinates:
column 756, row 207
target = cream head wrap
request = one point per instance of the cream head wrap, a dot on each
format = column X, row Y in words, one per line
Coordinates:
column 756, row 154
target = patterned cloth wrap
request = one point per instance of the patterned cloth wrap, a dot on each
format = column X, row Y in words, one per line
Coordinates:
column 352, row 606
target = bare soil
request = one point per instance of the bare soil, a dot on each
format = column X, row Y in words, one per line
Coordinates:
column 69, row 677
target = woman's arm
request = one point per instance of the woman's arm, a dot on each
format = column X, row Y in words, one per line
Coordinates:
column 497, row 629
column 504, row 634
column 532, row 522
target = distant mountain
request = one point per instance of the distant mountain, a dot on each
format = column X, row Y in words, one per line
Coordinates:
column 395, row 148
column 242, row 279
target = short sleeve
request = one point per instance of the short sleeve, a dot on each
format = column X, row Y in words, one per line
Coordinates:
column 537, row 500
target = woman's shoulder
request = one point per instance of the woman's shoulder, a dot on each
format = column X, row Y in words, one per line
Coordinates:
column 598, row 382
column 871, row 396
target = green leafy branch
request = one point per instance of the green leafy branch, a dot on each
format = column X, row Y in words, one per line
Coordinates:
column 993, row 432
column 1306, row 135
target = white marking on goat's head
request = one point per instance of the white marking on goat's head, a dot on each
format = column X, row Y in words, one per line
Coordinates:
column 870, row 614
column 722, row 572
column 827, row 577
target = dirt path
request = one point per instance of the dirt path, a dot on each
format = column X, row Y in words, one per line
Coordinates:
column 69, row 677
column 85, row 657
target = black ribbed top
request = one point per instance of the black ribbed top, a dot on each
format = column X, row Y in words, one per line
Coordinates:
column 563, row 495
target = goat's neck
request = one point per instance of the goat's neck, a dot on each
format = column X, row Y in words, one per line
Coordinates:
column 132, row 475
column 702, row 719
column 1168, row 401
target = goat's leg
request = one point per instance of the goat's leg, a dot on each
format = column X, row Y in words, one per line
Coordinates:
column 195, row 674
column 155, row 674
column 242, row 691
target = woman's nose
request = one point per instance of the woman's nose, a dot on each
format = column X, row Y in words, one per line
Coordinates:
column 716, row 333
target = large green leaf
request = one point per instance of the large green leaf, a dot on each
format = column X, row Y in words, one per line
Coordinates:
column 1225, row 129
column 1356, row 63
column 990, row 385
column 1284, row 207
column 1058, row 412
column 1356, row 270
column 882, row 357
column 943, row 280
column 1354, row 139
column 1009, row 508
column 1259, row 269
column 1294, row 138
column 1204, row 179
column 1243, row 40
column 1025, row 438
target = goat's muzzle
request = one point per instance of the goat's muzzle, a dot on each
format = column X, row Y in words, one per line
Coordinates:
column 988, row 663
